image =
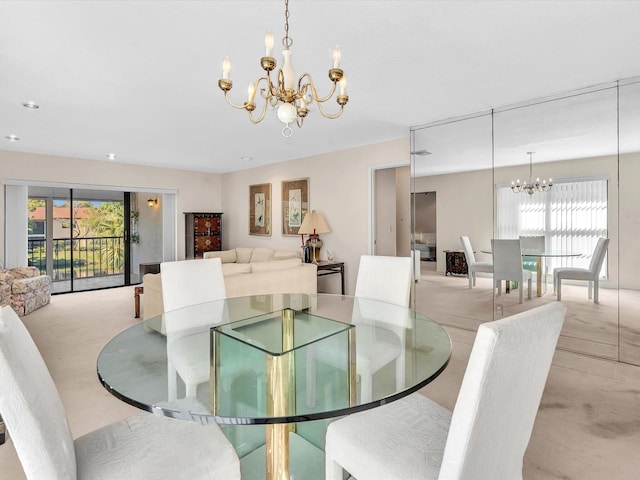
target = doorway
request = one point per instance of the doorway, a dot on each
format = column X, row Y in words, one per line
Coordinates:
column 391, row 211
column 424, row 232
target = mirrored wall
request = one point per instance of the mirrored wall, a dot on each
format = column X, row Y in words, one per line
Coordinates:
column 586, row 144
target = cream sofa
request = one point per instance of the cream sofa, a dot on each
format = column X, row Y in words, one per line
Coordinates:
column 247, row 271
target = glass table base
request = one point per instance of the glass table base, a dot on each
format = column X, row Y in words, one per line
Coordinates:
column 307, row 461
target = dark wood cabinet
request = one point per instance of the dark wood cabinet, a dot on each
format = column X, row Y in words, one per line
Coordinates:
column 203, row 233
column 456, row 262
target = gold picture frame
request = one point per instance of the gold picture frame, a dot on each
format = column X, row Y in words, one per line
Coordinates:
column 295, row 204
column 260, row 209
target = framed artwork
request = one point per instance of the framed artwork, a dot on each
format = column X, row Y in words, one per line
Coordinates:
column 295, row 204
column 260, row 209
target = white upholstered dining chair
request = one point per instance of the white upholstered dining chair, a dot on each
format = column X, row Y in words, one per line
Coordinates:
column 380, row 327
column 591, row 274
column 472, row 265
column 139, row 448
column 488, row 432
column 186, row 283
column 386, row 279
column 507, row 265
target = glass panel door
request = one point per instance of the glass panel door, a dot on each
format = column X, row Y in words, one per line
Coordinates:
column 98, row 239
column 78, row 237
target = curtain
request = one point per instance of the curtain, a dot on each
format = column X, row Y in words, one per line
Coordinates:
column 571, row 216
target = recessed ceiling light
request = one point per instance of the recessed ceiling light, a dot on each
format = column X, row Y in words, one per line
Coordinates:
column 111, row 156
column 246, row 159
column 12, row 138
column 421, row 152
column 31, row 105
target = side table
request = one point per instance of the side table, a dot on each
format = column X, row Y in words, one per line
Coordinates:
column 144, row 268
column 456, row 263
column 327, row 267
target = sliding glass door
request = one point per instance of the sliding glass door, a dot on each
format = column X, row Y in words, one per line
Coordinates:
column 78, row 237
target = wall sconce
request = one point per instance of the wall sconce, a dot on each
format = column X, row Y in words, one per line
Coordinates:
column 152, row 202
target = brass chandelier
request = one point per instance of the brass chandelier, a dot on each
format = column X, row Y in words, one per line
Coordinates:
column 531, row 186
column 291, row 98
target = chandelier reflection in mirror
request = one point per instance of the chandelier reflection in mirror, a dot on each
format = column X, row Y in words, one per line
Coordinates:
column 290, row 98
column 531, row 186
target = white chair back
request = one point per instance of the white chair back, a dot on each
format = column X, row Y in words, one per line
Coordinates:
column 468, row 250
column 387, row 279
column 500, row 394
column 30, row 405
column 189, row 282
column 507, row 259
column 533, row 244
column 598, row 256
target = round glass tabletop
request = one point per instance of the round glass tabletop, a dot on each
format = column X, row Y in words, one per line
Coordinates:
column 271, row 359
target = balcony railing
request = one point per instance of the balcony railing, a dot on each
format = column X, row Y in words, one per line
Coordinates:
column 80, row 257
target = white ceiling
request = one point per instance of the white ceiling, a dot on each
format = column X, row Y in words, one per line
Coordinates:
column 139, row 78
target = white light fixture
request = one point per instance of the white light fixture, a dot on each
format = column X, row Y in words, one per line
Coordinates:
column 111, row 156
column 31, row 105
column 12, row 138
column 531, row 186
column 291, row 97
column 152, row 202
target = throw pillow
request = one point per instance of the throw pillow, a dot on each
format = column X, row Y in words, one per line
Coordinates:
column 244, row 254
column 262, row 254
column 225, row 256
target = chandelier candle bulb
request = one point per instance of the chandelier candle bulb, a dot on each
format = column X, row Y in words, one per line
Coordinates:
column 251, row 90
column 268, row 43
column 343, row 86
column 226, row 68
column 336, row 57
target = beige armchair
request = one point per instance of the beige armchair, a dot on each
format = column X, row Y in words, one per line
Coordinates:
column 24, row 289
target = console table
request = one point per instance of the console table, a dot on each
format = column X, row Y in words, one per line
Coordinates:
column 327, row 267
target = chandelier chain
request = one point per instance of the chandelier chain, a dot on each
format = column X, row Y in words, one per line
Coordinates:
column 286, row 41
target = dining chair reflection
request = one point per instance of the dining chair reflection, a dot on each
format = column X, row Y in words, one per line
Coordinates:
column 590, row 274
column 507, row 265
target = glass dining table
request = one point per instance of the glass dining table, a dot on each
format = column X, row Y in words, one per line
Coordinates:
column 274, row 370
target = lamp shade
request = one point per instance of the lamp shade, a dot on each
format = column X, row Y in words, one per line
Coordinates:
column 313, row 222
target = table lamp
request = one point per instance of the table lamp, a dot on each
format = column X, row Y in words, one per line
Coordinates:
column 314, row 223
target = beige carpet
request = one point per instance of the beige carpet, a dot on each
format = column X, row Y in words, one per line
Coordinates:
column 588, row 427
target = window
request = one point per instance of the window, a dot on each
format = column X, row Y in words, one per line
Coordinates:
column 571, row 216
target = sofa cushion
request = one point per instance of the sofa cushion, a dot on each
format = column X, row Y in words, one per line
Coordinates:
column 24, row 272
column 229, row 269
column 275, row 265
column 284, row 254
column 243, row 254
column 262, row 254
column 225, row 256
column 30, row 284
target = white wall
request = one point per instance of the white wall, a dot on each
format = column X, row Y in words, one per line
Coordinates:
column 196, row 191
column 338, row 188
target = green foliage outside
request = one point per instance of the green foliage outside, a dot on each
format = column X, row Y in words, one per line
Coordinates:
column 93, row 255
